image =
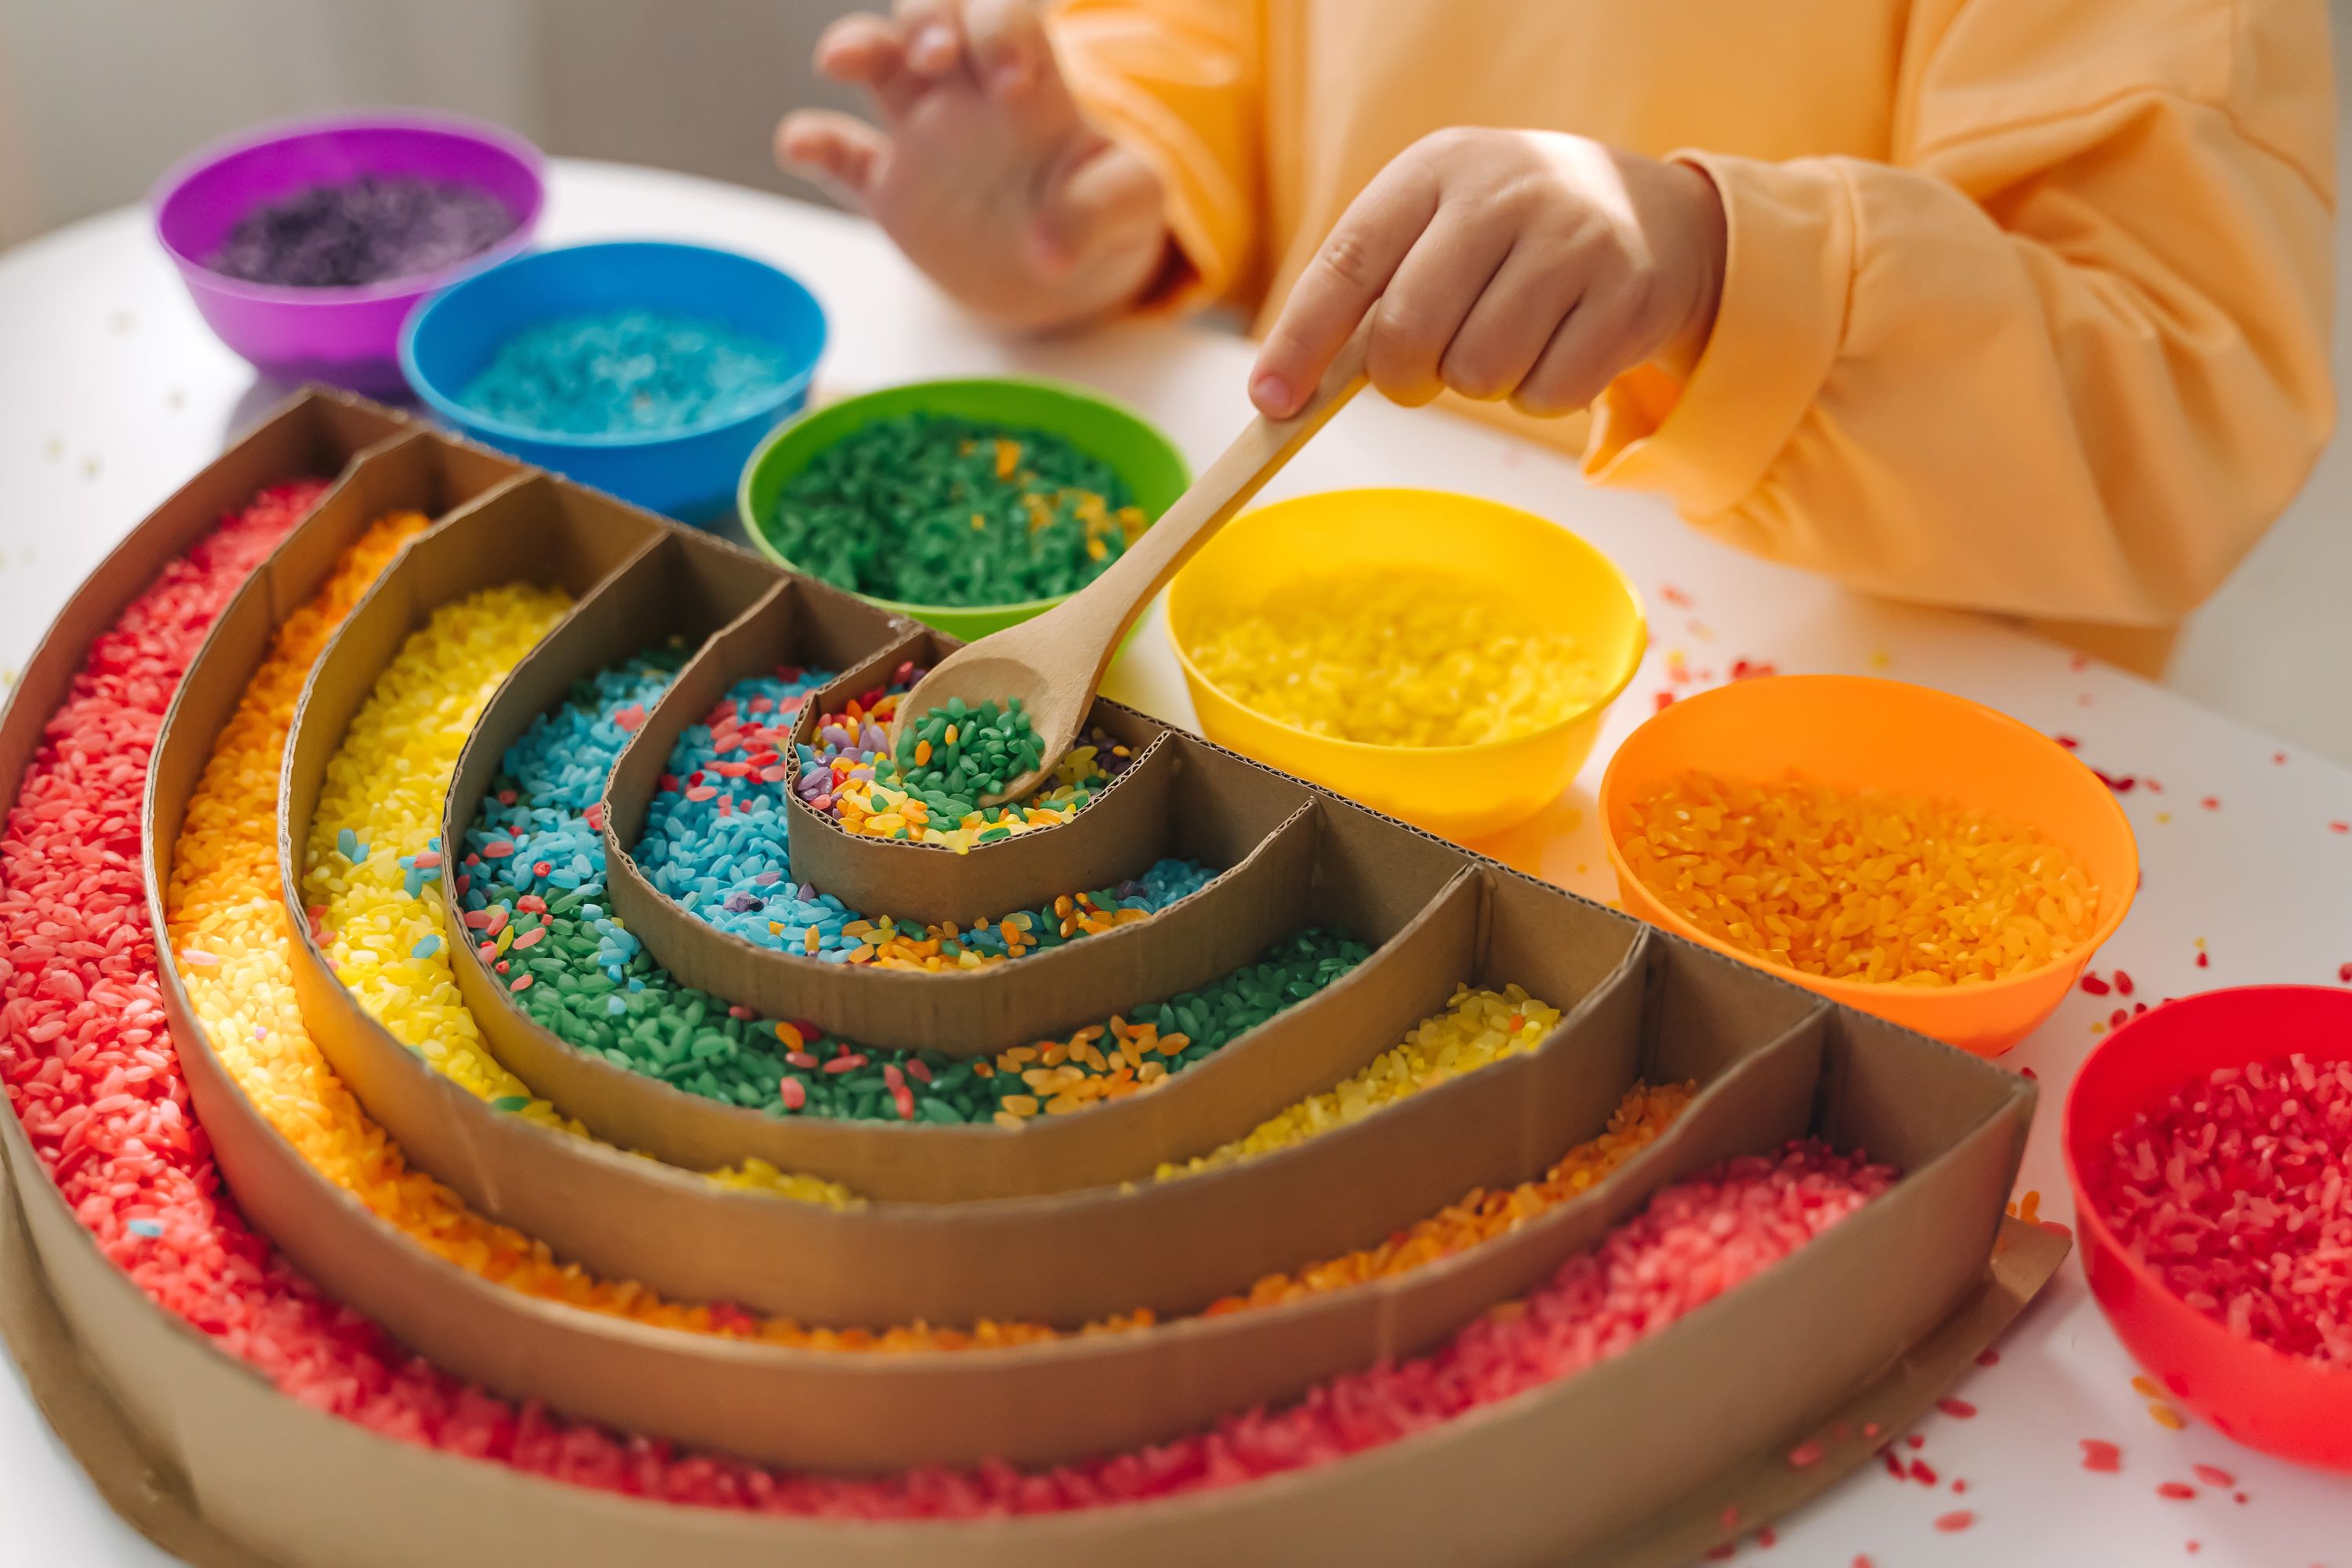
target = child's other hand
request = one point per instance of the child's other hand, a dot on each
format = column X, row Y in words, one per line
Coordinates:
column 987, row 174
column 1518, row 264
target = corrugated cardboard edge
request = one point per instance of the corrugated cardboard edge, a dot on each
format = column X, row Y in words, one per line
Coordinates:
column 960, row 1012
column 1256, row 1075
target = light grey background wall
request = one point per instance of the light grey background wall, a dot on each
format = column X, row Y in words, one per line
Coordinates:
column 98, row 96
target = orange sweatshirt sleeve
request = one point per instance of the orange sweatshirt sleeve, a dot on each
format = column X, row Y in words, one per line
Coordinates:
column 1177, row 81
column 2065, row 354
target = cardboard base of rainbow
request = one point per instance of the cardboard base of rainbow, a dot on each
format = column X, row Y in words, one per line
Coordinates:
column 625, row 1290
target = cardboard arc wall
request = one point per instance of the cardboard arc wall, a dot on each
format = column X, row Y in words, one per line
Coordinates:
column 308, row 1488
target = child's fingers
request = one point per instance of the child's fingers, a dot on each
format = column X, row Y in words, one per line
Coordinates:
column 1010, row 52
column 935, row 36
column 1014, row 61
column 1585, row 355
column 1109, row 201
column 860, row 49
column 865, row 52
column 1426, row 302
column 841, row 152
column 1512, row 323
column 1349, row 272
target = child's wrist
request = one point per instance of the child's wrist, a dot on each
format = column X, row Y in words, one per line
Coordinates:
column 1705, row 239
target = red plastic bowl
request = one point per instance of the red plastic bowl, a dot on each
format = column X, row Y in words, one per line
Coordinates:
column 2289, row 1406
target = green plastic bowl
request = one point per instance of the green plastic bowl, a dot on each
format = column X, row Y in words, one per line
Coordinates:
column 1109, row 432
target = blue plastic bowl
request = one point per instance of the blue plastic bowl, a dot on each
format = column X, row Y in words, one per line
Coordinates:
column 688, row 474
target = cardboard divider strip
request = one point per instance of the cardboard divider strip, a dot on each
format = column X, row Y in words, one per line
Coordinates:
column 957, row 1012
column 682, row 587
column 1752, row 1098
column 1718, row 1395
column 411, row 471
column 1306, row 875
column 1118, row 832
column 407, row 471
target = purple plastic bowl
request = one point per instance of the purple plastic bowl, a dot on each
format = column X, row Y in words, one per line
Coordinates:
column 347, row 337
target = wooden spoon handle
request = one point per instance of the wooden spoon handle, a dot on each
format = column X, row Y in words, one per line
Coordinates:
column 1103, row 611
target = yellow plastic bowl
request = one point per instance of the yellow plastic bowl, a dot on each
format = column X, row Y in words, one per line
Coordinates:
column 1527, row 562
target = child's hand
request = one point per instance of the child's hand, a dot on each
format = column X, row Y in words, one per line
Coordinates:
column 1516, row 264
column 988, row 177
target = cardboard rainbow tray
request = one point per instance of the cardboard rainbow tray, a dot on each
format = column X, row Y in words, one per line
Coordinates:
column 1650, row 1458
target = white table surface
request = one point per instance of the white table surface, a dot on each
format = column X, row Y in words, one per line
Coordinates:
column 112, row 393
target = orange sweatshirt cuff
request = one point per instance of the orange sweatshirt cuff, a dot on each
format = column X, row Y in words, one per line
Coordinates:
column 1198, row 204
column 1788, row 269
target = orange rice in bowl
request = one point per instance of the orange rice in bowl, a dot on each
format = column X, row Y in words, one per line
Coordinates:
column 1861, row 885
column 1901, row 850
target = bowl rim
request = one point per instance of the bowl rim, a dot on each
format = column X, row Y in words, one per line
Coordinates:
column 297, row 128
column 1833, row 986
column 1022, row 609
column 1638, row 650
column 2092, row 1224
column 780, row 398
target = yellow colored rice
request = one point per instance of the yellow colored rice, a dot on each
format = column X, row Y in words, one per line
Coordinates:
column 1478, row 1029
column 1392, row 657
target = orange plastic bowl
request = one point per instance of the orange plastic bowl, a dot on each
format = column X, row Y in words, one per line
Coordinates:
column 1850, row 731
column 2290, row 1406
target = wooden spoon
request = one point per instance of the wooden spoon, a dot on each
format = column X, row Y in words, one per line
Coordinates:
column 1054, row 662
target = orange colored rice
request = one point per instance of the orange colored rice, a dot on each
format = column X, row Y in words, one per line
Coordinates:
column 1859, row 885
column 1646, row 1111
